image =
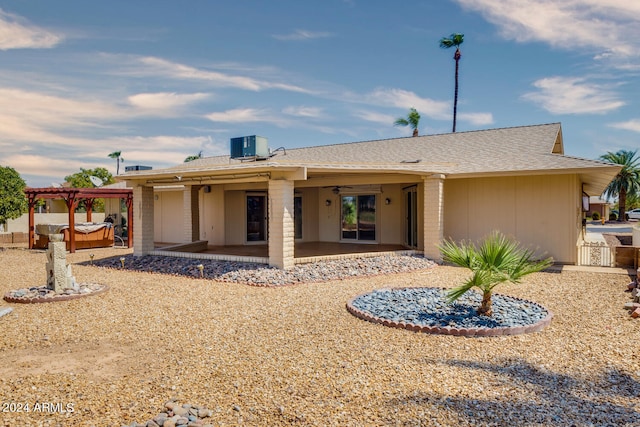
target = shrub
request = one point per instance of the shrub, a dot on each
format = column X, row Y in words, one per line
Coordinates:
column 613, row 217
column 496, row 260
column 595, row 216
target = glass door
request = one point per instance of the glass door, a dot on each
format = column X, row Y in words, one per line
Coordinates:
column 358, row 220
column 297, row 217
column 411, row 217
column 256, row 217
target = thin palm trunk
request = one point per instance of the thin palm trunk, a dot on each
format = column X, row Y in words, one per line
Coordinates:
column 456, row 56
column 485, row 308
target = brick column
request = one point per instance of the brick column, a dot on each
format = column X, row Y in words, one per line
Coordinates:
column 433, row 216
column 191, row 214
column 143, row 213
column 281, row 236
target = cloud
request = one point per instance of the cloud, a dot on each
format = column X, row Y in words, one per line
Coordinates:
column 247, row 115
column 609, row 27
column 406, row 99
column 439, row 110
column 48, row 119
column 632, row 125
column 17, row 33
column 41, row 165
column 301, row 111
column 165, row 101
column 153, row 66
column 303, row 35
column 479, row 119
column 375, row 117
column 573, row 95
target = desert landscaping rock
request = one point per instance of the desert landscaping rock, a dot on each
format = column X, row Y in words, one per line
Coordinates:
column 263, row 275
column 38, row 294
column 294, row 356
column 426, row 310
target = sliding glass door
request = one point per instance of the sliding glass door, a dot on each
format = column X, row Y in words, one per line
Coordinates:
column 358, row 222
column 256, row 217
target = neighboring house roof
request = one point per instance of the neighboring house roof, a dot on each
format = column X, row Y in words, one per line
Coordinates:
column 521, row 150
column 596, row 200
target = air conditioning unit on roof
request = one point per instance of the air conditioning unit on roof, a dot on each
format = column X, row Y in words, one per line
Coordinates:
column 249, row 146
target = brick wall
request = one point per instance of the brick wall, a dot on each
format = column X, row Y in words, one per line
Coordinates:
column 433, row 216
column 281, row 233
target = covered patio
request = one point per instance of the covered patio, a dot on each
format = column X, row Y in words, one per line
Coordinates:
column 304, row 252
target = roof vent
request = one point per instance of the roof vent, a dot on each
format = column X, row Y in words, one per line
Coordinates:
column 245, row 147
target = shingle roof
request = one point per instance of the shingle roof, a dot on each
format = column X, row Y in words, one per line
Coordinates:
column 515, row 150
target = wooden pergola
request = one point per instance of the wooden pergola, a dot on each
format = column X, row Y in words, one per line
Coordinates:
column 72, row 196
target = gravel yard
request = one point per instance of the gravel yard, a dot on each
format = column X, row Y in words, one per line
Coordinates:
column 293, row 355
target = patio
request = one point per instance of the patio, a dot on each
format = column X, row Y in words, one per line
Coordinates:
column 304, row 251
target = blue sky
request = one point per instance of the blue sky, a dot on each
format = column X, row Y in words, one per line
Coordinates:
column 162, row 80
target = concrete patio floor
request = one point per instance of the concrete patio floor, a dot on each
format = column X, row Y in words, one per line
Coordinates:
column 304, row 251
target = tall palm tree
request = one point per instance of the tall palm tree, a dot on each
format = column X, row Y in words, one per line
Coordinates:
column 413, row 118
column 497, row 260
column 456, row 40
column 627, row 181
column 116, row 155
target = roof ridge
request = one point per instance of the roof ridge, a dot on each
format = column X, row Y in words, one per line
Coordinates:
column 405, row 138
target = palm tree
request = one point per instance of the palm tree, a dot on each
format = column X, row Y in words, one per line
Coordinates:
column 627, row 181
column 116, row 155
column 193, row 157
column 456, row 40
column 496, row 261
column 413, row 118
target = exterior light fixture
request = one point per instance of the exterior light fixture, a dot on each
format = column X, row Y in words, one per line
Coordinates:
column 327, row 202
column 387, row 201
column 201, row 268
column 122, row 261
column 91, row 256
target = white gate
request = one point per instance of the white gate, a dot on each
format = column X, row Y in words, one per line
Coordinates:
column 597, row 254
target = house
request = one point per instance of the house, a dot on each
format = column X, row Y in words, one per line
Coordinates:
column 600, row 206
column 400, row 193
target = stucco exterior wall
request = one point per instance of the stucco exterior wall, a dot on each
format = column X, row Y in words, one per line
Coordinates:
column 212, row 215
column 310, row 214
column 167, row 219
column 235, row 215
column 541, row 212
column 391, row 221
column 328, row 216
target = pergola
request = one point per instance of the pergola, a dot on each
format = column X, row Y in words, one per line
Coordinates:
column 72, row 196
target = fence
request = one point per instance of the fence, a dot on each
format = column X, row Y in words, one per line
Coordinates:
column 595, row 254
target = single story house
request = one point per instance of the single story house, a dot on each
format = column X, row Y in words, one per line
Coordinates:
column 408, row 192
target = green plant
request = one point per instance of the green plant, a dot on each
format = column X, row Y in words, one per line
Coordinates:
column 613, row 217
column 595, row 216
column 413, row 119
column 497, row 260
column 13, row 202
column 627, row 182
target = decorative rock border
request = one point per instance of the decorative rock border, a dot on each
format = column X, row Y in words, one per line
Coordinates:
column 27, row 299
column 449, row 330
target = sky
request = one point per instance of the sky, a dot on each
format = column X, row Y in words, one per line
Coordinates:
column 163, row 80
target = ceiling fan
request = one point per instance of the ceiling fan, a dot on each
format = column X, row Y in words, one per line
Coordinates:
column 336, row 188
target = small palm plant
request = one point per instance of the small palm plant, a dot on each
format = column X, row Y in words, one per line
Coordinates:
column 495, row 261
